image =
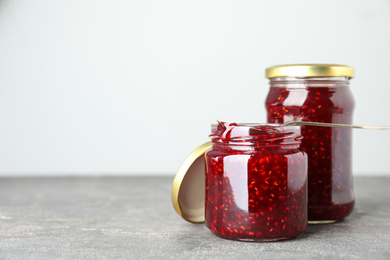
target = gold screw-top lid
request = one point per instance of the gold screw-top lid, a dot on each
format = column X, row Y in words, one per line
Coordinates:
column 309, row 70
column 188, row 189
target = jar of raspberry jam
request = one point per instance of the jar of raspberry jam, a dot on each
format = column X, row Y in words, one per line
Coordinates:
column 318, row 93
column 256, row 182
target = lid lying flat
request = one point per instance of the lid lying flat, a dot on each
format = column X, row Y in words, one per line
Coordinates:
column 309, row 70
column 188, row 189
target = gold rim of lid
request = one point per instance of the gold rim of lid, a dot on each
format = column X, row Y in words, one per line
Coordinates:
column 309, row 70
column 188, row 189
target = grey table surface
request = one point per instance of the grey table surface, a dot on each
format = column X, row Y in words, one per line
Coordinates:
column 133, row 218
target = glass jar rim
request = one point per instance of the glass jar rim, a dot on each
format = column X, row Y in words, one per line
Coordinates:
column 251, row 133
column 258, row 125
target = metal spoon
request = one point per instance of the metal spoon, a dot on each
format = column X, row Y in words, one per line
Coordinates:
column 336, row 125
column 326, row 125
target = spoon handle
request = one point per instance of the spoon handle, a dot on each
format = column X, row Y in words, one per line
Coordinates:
column 337, row 125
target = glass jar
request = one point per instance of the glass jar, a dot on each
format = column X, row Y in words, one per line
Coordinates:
column 256, row 182
column 318, row 93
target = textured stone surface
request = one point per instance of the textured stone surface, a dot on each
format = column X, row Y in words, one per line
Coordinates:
column 132, row 217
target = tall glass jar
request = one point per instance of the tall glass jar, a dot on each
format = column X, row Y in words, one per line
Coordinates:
column 318, row 93
column 256, row 182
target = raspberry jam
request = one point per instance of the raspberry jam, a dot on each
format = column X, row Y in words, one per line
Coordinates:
column 329, row 150
column 256, row 182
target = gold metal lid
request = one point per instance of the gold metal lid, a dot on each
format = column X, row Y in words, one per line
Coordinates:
column 188, row 189
column 309, row 70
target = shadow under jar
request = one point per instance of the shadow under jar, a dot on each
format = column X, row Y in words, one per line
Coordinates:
column 256, row 182
column 319, row 93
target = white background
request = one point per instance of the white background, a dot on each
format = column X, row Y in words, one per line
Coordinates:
column 131, row 87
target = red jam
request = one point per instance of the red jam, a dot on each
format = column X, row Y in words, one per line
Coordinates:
column 256, row 182
column 328, row 100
